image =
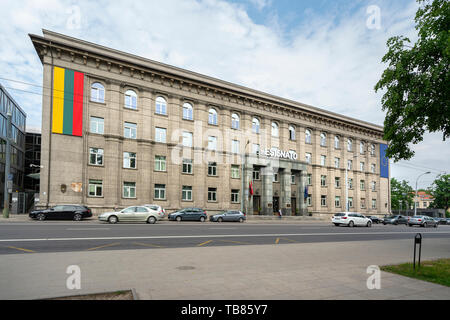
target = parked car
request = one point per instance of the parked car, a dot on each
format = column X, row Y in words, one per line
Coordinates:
column 131, row 214
column 441, row 220
column 62, row 212
column 423, row 221
column 396, row 220
column 447, row 221
column 188, row 214
column 351, row 219
column 161, row 212
column 230, row 215
column 375, row 219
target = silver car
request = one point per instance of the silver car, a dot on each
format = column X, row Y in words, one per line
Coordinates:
column 423, row 221
column 231, row 215
column 131, row 214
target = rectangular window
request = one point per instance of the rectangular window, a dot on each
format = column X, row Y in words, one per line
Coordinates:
column 130, row 130
column 337, row 202
column 129, row 190
column 212, row 143
column 372, row 168
column 323, row 181
column 186, row 194
column 256, row 174
column 160, row 135
column 97, row 125
column 309, row 200
column 374, row 186
column 275, row 177
column 361, row 166
column 235, row 171
column 374, row 203
column 235, row 146
column 309, row 179
column 337, row 182
column 350, row 202
column 160, row 163
column 160, row 192
column 187, row 166
column 323, row 201
column 362, row 185
column 129, row 160
column 350, row 183
column 187, row 139
column 349, row 164
column 292, row 178
column 323, row 160
column 308, row 157
column 95, row 188
column 337, row 162
column 235, row 196
column 212, row 169
column 96, row 156
column 255, row 148
column 363, row 203
column 212, row 194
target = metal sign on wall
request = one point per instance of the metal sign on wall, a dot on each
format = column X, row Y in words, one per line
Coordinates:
column 277, row 153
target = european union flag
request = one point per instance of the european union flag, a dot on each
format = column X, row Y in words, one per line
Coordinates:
column 384, row 162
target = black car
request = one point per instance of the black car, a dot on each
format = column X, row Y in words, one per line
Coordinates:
column 188, row 214
column 375, row 219
column 62, row 212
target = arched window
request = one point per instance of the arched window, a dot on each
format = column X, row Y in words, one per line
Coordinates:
column 212, row 117
column 98, row 92
column 160, row 106
column 349, row 144
column 188, row 111
column 291, row 133
column 361, row 147
column 307, row 136
column 130, row 99
column 323, row 139
column 255, row 125
column 234, row 121
column 274, row 129
column 337, row 142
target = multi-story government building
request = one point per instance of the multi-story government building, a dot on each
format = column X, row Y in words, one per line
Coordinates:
column 120, row 130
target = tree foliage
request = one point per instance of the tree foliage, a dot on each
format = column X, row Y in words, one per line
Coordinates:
column 417, row 81
column 401, row 192
column 440, row 190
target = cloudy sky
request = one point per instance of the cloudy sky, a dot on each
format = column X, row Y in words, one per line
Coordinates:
column 320, row 52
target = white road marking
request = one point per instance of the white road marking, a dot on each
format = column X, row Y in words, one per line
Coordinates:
column 86, row 229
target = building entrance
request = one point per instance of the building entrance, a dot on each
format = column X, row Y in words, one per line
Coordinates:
column 276, row 204
column 256, row 204
column 294, row 206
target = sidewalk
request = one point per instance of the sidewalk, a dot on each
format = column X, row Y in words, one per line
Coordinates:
column 285, row 271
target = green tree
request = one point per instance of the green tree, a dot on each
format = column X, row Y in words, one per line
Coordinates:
column 417, row 97
column 440, row 190
column 401, row 193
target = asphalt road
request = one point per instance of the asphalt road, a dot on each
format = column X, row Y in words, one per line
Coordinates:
column 49, row 236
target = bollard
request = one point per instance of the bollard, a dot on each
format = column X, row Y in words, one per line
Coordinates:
column 417, row 241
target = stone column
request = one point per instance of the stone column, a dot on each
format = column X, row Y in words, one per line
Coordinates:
column 303, row 181
column 267, row 193
column 285, row 205
column 248, row 199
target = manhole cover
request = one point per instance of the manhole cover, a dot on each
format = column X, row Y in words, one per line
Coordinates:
column 186, row 268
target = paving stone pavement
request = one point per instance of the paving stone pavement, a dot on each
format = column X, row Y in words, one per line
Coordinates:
column 291, row 271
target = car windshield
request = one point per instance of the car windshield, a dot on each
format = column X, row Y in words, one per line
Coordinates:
column 340, row 214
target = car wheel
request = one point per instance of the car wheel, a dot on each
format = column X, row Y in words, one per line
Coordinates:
column 424, row 225
column 202, row 219
column 369, row 224
column 435, row 225
column 113, row 219
column 151, row 220
column 351, row 224
column 396, row 223
column 179, row 218
column 220, row 220
column 77, row 217
column 41, row 217
column 241, row 220
column 336, row 224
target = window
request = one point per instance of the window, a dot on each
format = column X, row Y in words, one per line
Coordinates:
column 374, row 203
column 308, row 136
column 255, row 148
column 160, row 106
column 98, row 93
column 323, row 181
column 349, row 145
column 323, row 160
column 308, row 157
column 275, row 177
column 337, row 202
column 374, row 186
column 96, row 156
column 160, row 135
column 291, row 133
column 129, row 189
column 234, row 196
column 323, row 201
column 97, row 125
column 361, row 166
column 337, row 162
column 350, row 202
column 337, row 182
column 187, row 166
column 255, row 125
column 323, row 139
column 160, row 191
column 361, row 147
column 130, row 130
column 212, row 168
column 337, row 142
column 188, row 111
column 160, row 163
column 235, row 121
column 212, row 194
column 212, row 116
column 309, row 179
column 309, row 200
column 372, row 168
column 275, row 129
column 363, row 203
column 95, row 188
column 235, row 171
column 186, row 193
column 212, row 143
column 130, row 99
column 350, row 183
column 349, row 164
column 256, row 174
column 362, row 185
column 372, row 149
column 235, row 146
column 292, row 178
column 129, row 160
column 187, row 139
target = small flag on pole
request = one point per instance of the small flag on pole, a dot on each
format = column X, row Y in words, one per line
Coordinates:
column 251, row 188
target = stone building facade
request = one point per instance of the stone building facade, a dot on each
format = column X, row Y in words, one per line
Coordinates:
column 154, row 133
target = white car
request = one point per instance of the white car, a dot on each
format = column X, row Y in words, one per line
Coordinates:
column 131, row 214
column 160, row 210
column 351, row 219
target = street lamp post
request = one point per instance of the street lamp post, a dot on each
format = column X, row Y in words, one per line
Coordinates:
column 8, row 184
column 243, row 176
column 415, row 199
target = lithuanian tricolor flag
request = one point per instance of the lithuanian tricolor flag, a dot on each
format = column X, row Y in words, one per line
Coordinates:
column 68, row 87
